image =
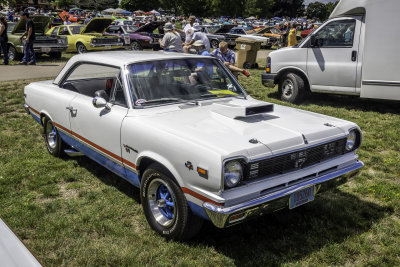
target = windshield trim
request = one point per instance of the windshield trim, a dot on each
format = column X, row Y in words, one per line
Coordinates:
column 131, row 88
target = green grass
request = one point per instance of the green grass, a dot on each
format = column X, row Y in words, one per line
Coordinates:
column 45, row 59
column 74, row 212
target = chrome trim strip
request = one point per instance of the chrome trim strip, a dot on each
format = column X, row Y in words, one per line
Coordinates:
column 382, row 83
column 220, row 215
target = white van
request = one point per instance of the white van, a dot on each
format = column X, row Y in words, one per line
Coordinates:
column 355, row 52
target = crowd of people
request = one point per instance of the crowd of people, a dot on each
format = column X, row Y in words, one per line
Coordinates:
column 197, row 42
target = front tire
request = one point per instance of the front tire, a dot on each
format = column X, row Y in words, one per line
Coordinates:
column 81, row 48
column 135, row 46
column 13, row 54
column 53, row 141
column 291, row 88
column 165, row 206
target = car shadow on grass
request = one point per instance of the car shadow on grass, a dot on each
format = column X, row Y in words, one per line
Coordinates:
column 108, row 178
column 288, row 236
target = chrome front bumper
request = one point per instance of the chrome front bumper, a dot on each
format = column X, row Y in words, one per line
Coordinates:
column 227, row 216
column 105, row 45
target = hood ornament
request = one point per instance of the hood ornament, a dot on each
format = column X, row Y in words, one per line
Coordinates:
column 305, row 139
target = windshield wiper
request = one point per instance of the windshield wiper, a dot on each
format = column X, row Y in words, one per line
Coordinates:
column 163, row 100
column 217, row 95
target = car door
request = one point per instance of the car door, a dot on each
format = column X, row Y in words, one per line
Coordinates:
column 97, row 130
column 332, row 62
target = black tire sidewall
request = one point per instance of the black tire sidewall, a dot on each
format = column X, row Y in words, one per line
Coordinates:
column 176, row 231
column 137, row 45
column 83, row 51
column 298, row 88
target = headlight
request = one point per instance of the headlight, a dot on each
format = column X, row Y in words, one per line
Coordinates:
column 119, row 40
column 94, row 41
column 353, row 140
column 233, row 173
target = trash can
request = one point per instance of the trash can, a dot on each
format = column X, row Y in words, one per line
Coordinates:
column 247, row 54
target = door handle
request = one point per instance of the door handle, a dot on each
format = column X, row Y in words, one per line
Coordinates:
column 72, row 110
column 354, row 56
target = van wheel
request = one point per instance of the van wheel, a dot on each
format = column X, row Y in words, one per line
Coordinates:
column 165, row 206
column 291, row 88
column 81, row 48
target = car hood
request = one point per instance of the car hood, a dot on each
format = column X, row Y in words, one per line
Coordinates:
column 150, row 27
column 97, row 25
column 226, row 28
column 280, row 131
column 41, row 24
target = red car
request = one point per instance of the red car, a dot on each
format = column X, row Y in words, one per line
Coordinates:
column 305, row 33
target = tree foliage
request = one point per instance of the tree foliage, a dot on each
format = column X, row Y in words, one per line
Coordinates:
column 320, row 11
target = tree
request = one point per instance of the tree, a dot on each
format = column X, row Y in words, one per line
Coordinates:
column 288, row 8
column 319, row 10
column 316, row 10
column 260, row 8
column 145, row 5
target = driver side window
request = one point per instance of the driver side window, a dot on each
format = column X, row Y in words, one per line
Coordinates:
column 338, row 33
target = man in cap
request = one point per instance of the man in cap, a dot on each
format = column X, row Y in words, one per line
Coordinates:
column 198, row 35
column 171, row 41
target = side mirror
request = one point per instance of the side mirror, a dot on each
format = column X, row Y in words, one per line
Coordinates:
column 99, row 102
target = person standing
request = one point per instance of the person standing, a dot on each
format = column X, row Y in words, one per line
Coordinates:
column 292, row 37
column 171, row 41
column 3, row 40
column 188, row 30
column 29, row 53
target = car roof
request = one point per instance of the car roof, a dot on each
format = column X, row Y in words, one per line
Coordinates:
column 121, row 58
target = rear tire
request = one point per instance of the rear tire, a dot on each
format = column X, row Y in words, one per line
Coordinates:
column 53, row 141
column 291, row 88
column 165, row 206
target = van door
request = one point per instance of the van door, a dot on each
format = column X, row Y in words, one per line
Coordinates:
column 333, row 57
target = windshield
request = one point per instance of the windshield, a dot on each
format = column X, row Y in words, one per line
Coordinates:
column 212, row 29
column 181, row 80
column 76, row 29
column 130, row 28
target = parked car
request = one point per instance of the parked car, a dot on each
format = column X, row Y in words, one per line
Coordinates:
column 182, row 129
column 83, row 38
column 43, row 44
column 240, row 32
column 149, row 29
column 274, row 35
column 343, row 56
column 213, row 38
column 131, row 39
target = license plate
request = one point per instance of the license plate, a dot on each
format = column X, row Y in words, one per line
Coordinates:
column 107, row 47
column 301, row 197
column 45, row 49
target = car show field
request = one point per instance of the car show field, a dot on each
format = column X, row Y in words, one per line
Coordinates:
column 73, row 211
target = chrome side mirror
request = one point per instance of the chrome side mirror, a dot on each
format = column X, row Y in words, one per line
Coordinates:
column 99, row 102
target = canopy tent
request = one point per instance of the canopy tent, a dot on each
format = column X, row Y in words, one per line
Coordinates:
column 155, row 12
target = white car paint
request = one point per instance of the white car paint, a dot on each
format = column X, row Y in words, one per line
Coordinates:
column 175, row 134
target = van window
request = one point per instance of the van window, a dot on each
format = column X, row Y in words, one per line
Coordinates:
column 339, row 33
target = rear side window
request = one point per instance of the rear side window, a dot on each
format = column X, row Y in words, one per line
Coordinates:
column 338, row 33
column 92, row 71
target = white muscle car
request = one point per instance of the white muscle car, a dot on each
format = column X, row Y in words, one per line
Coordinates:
column 182, row 129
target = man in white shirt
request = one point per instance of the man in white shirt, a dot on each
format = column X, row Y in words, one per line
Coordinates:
column 188, row 30
column 198, row 35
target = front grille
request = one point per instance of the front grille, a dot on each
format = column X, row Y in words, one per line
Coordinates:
column 106, row 41
column 294, row 160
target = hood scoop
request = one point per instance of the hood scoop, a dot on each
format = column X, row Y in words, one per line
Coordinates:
column 237, row 111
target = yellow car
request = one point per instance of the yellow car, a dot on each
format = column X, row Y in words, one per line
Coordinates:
column 83, row 38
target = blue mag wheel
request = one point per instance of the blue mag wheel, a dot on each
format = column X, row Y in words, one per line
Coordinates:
column 162, row 202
